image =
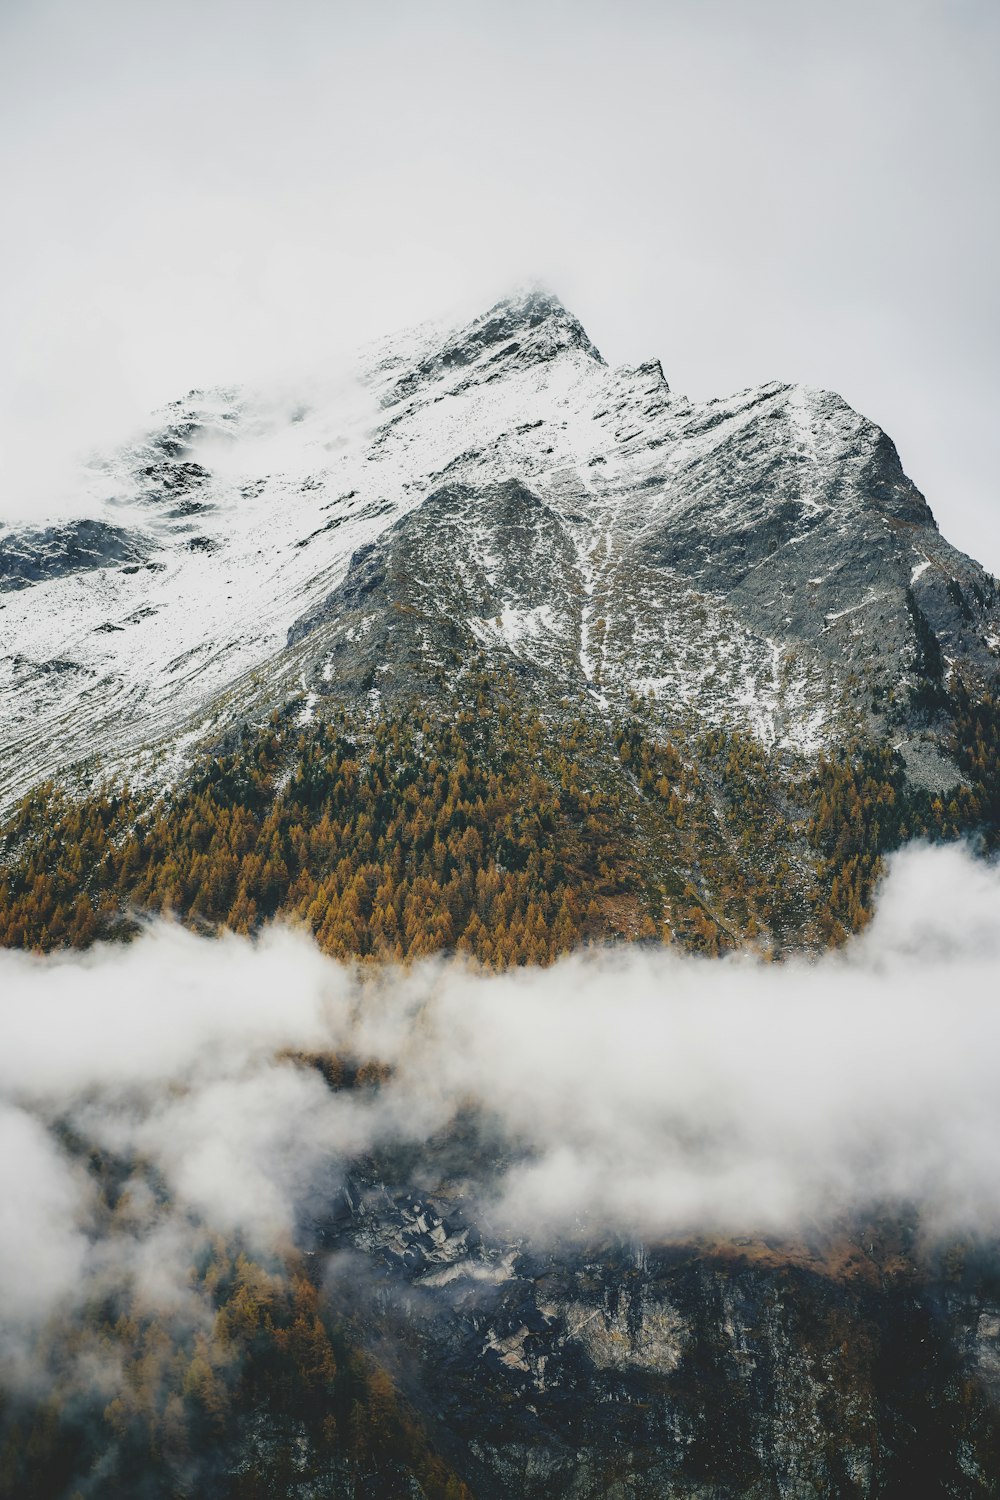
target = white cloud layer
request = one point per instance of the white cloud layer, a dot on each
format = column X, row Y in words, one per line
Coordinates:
column 637, row 1091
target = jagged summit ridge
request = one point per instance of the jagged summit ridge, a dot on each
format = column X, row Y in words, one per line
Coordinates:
column 525, row 329
column 493, row 490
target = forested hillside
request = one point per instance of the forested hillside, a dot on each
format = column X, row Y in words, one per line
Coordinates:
column 492, row 832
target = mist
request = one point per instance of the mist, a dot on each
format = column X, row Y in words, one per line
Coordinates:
column 632, row 1092
column 230, row 193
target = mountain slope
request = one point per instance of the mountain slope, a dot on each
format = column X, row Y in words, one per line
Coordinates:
column 494, row 491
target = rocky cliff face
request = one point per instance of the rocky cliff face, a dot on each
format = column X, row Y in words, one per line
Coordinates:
column 495, row 491
column 851, row 1366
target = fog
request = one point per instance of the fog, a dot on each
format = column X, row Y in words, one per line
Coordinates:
column 244, row 191
column 634, row 1092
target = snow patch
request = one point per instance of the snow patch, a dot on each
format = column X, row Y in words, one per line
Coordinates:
column 516, row 628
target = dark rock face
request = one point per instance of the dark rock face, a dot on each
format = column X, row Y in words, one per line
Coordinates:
column 36, row 554
column 734, row 1370
column 510, row 561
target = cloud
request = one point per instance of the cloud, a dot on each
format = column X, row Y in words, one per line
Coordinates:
column 44, row 1208
column 635, row 1092
column 169, row 1007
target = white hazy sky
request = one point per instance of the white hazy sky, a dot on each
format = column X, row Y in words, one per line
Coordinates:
column 795, row 189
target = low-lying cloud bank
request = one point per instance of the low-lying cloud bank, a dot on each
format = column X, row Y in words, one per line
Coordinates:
column 636, row 1091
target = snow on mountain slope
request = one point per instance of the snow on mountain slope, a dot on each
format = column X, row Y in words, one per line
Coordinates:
column 497, row 488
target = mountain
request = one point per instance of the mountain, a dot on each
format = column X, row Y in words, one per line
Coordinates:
column 490, row 649
column 690, row 669
column 492, row 491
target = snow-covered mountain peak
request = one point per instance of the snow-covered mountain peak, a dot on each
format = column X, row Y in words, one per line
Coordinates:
column 488, row 489
column 525, row 329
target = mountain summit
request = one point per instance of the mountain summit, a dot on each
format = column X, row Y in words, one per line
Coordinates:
column 525, row 329
column 490, row 491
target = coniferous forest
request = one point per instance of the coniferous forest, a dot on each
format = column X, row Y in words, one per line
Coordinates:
column 490, row 833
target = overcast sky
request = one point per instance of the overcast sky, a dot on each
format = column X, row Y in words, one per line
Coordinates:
column 783, row 189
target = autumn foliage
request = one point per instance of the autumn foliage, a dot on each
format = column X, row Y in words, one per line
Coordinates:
column 492, row 834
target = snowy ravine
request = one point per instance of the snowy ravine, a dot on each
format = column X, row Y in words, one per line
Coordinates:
column 760, row 561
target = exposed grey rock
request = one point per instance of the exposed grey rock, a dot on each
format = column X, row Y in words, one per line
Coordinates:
column 575, row 1370
column 926, row 767
column 36, row 554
